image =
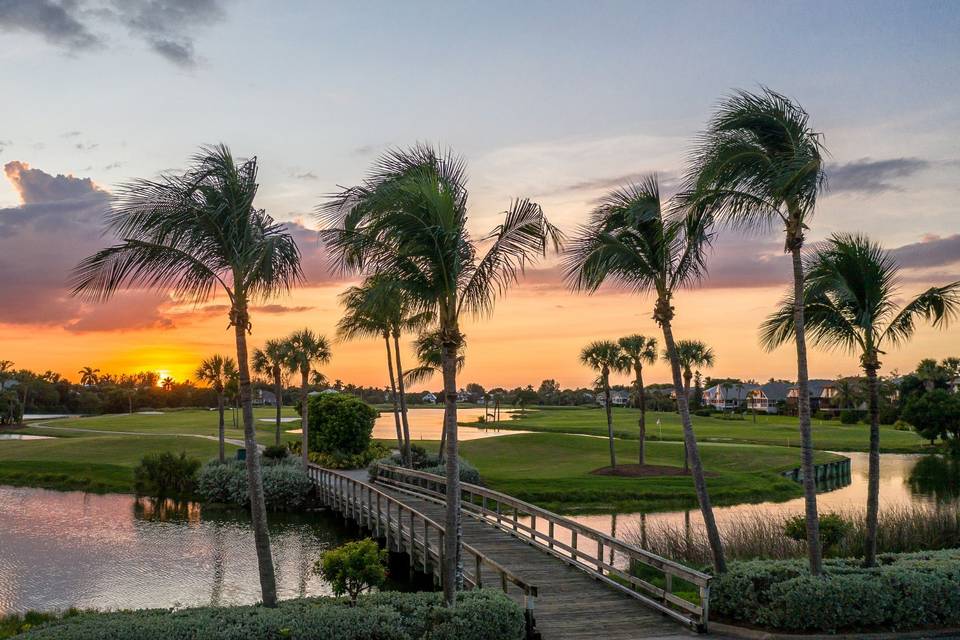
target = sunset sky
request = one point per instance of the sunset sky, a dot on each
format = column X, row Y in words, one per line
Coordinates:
column 556, row 101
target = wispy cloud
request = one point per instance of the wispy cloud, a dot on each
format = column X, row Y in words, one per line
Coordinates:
column 58, row 23
column 867, row 176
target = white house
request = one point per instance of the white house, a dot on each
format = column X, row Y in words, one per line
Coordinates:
column 729, row 397
column 429, row 398
column 618, row 398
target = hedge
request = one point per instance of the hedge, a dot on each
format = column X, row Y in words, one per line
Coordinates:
column 478, row 615
column 286, row 486
column 906, row 591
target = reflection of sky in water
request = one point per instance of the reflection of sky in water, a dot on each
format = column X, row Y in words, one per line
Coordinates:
column 106, row 551
column 426, row 424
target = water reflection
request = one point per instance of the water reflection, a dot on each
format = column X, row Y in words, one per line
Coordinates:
column 63, row 549
column 936, row 476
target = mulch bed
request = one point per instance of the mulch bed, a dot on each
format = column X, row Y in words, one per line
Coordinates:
column 642, row 471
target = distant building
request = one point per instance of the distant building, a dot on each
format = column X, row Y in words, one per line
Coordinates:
column 618, row 398
column 429, row 398
column 822, row 393
column 264, row 398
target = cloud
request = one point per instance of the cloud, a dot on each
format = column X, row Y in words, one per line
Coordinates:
column 931, row 251
column 279, row 309
column 303, row 175
column 315, row 260
column 56, row 22
column 4, row 144
column 669, row 183
column 86, row 146
column 868, row 176
column 70, row 134
column 35, row 186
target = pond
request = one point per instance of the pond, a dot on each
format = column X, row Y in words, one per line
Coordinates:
column 73, row 549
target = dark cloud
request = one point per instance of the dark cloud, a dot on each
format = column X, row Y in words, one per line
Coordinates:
column 315, row 259
column 669, row 183
column 179, row 53
column 279, row 309
column 113, row 165
column 35, row 186
column 872, row 176
column 56, row 22
column 932, row 251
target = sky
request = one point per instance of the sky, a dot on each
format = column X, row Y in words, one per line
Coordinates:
column 555, row 101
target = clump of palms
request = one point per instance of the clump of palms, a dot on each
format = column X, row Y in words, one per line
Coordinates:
column 850, row 303
column 270, row 361
column 604, row 356
column 760, row 164
column 630, row 242
column 216, row 372
column 408, row 222
column 302, row 350
column 190, row 234
column 637, row 350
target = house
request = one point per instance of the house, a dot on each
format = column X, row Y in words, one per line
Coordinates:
column 264, row 398
column 953, row 385
column 465, row 396
column 727, row 397
column 429, row 398
column 819, row 391
column 618, row 398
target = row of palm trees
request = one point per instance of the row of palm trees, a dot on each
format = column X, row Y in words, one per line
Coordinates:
column 758, row 162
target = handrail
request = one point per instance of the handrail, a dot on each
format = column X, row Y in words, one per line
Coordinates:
column 404, row 527
column 488, row 505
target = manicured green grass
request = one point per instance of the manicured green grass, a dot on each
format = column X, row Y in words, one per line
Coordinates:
column 769, row 429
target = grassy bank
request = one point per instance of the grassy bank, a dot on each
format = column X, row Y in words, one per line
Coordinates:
column 781, row 431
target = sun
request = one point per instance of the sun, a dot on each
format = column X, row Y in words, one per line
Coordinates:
column 161, row 375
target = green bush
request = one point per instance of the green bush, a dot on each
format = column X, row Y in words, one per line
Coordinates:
column 165, row 475
column 276, row 452
column 468, row 472
column 340, row 423
column 340, row 460
column 905, row 591
column 478, row 615
column 849, row 416
column 833, row 528
column 902, row 425
column 353, row 568
column 822, row 415
column 703, row 413
column 286, row 486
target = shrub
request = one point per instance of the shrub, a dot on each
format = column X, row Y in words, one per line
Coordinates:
column 286, row 486
column 276, row 452
column 703, row 413
column 901, row 425
column 340, row 423
column 822, row 415
column 478, row 615
column 165, row 475
column 468, row 472
column 833, row 528
column 340, row 460
column 353, row 568
column 849, row 416
column 889, row 413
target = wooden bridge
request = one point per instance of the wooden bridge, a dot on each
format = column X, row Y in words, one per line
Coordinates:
column 573, row 581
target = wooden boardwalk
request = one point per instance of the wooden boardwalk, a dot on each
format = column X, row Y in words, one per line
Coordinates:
column 534, row 556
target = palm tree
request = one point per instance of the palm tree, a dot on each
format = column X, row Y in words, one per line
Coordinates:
column 216, row 372
column 929, row 373
column 166, row 384
column 89, row 376
column 758, row 164
column 848, row 392
column 850, row 302
column 190, row 234
column 408, row 222
column 429, row 352
column 693, row 354
column 638, row 350
column 303, row 349
column 269, row 361
column 629, row 242
column 604, row 356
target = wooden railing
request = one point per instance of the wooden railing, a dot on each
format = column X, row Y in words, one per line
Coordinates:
column 407, row 530
column 602, row 556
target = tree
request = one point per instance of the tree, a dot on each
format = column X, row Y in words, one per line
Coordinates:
column 630, row 242
column 524, row 397
column 408, row 221
column 89, row 377
column 304, row 348
column 760, row 163
column 935, row 414
column 166, row 384
column 693, row 354
column 931, row 374
column 216, row 372
column 850, row 303
column 549, row 392
column 429, row 352
column 848, row 391
column 353, row 568
column 188, row 235
column 638, row 349
column 270, row 361
column 604, row 356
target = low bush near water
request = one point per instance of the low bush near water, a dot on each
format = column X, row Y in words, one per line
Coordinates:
column 478, row 615
column 286, row 486
column 353, row 568
column 166, row 475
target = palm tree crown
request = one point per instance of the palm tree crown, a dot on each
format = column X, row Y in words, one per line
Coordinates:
column 605, row 357
column 216, row 372
column 89, row 376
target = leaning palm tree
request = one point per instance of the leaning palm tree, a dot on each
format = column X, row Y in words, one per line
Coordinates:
column 216, row 372
column 89, row 376
column 304, row 348
column 604, row 357
column 270, row 362
column 760, row 164
column 628, row 241
column 408, row 222
column 693, row 354
column 638, row 350
column 850, row 302
column 189, row 235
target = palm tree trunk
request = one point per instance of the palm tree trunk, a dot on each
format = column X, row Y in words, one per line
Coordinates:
column 393, row 397
column 278, row 392
column 221, row 432
column 452, row 559
column 304, row 418
column 258, row 507
column 687, row 377
column 403, row 402
column 642, row 397
column 814, row 552
column 873, row 475
column 693, row 454
column 609, row 410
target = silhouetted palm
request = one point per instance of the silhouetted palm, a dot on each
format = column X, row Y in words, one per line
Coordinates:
column 639, row 350
column 430, row 361
column 270, row 361
column 189, row 235
column 302, row 350
column 604, row 357
column 216, row 372
column 693, row 354
column 629, row 242
column 89, row 376
column 408, row 222
column 850, row 303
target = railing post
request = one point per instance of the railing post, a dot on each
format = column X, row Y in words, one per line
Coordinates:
column 533, row 527
column 573, row 546
column 600, row 555
column 413, row 547
column 478, row 571
column 388, row 525
column 529, row 623
column 551, row 534
column 704, row 608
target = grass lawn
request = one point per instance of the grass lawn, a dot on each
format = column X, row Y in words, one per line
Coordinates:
column 769, row 429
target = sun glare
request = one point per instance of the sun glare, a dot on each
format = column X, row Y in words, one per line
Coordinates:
column 161, row 375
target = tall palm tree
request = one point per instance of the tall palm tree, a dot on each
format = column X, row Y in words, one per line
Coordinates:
column 304, row 348
column 850, row 302
column 408, row 221
column 429, row 351
column 638, row 350
column 166, row 384
column 629, row 241
column 693, row 354
column 269, row 361
column 604, row 356
column 189, row 235
column 216, row 372
column 759, row 164
column 89, row 376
